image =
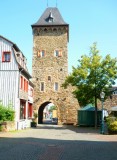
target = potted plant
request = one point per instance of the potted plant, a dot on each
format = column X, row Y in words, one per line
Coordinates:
column 34, row 120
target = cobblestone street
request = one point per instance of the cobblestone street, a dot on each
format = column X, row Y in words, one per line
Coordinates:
column 52, row 142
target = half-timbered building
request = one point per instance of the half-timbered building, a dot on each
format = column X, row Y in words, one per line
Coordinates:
column 16, row 89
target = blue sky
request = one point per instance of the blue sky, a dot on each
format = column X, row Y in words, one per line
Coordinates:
column 90, row 21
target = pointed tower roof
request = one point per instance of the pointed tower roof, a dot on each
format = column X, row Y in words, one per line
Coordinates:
column 51, row 16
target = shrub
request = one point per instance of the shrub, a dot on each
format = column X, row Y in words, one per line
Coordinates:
column 1, row 127
column 6, row 113
column 33, row 124
column 110, row 119
column 112, row 125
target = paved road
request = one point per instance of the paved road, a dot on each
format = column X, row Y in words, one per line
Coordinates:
column 52, row 142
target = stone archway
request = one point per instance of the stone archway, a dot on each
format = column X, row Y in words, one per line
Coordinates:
column 40, row 112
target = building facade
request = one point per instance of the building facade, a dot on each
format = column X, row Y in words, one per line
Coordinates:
column 15, row 85
column 50, row 67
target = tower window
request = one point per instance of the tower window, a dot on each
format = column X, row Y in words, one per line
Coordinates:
column 42, row 86
column 49, row 78
column 41, row 53
column 58, row 53
column 56, row 86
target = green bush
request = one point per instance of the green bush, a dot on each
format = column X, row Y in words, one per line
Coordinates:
column 1, row 127
column 112, row 125
column 6, row 113
column 33, row 124
column 110, row 119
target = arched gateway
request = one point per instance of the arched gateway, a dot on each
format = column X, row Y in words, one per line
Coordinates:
column 40, row 112
column 50, row 66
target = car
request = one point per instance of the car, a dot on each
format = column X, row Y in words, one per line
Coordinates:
column 54, row 120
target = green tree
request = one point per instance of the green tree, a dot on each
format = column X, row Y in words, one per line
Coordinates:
column 92, row 75
column 52, row 108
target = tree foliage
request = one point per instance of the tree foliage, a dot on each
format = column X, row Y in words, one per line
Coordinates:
column 52, row 108
column 92, row 75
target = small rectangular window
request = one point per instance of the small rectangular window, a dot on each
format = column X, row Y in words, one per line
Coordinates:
column 42, row 86
column 41, row 53
column 49, row 78
column 56, row 86
column 6, row 57
column 58, row 53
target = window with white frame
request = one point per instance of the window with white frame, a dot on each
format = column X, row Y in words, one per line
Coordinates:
column 56, row 86
column 42, row 87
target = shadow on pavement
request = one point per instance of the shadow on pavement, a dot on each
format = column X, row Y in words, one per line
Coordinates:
column 76, row 129
column 46, row 149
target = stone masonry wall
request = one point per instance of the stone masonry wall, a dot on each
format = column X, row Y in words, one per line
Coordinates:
column 108, row 103
column 50, row 39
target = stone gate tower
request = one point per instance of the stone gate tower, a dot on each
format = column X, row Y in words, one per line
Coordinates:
column 50, row 67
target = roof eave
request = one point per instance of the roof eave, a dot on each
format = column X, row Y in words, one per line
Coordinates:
column 24, row 71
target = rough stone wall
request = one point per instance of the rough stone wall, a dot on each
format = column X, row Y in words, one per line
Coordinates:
column 50, row 39
column 8, row 126
column 108, row 103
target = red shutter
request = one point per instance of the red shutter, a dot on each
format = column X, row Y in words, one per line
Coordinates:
column 39, row 53
column 60, row 53
column 31, row 111
column 24, row 84
column 3, row 57
column 27, row 86
column 28, row 110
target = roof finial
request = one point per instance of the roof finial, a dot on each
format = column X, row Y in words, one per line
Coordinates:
column 47, row 3
column 56, row 3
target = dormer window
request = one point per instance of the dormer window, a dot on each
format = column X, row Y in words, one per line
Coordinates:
column 50, row 18
column 6, row 57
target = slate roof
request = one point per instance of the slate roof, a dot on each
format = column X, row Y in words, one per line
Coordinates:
column 51, row 16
